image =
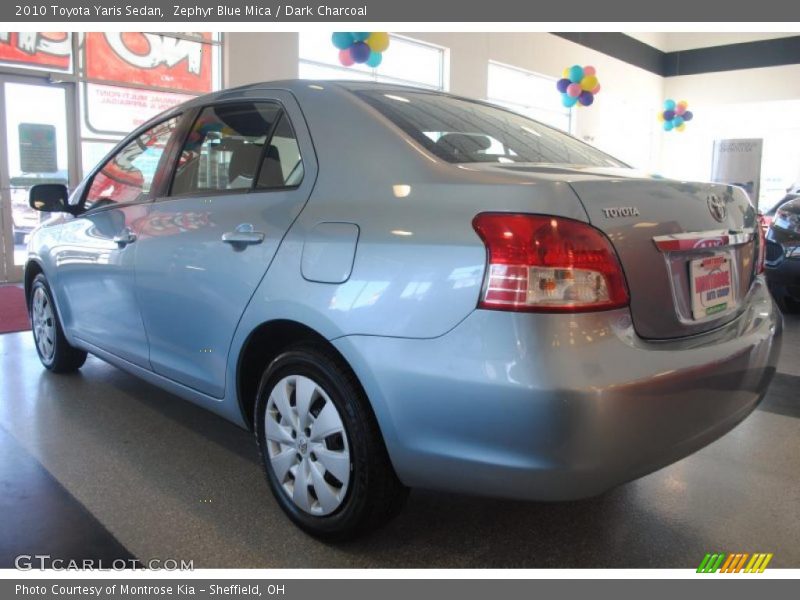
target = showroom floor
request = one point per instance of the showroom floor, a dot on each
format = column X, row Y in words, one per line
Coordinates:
column 103, row 465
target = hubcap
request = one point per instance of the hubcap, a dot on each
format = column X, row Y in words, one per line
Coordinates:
column 43, row 323
column 307, row 445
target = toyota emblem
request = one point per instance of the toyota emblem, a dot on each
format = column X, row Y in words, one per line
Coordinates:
column 716, row 207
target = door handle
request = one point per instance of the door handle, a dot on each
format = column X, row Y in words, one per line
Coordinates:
column 124, row 237
column 243, row 235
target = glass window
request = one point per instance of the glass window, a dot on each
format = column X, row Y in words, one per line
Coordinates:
column 282, row 165
column 406, row 62
column 127, row 177
column 225, row 147
column 463, row 131
column 530, row 94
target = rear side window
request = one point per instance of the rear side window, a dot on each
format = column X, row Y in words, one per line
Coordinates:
column 462, row 131
column 129, row 174
column 235, row 147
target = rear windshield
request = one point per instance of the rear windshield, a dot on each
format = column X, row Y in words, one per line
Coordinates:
column 462, row 131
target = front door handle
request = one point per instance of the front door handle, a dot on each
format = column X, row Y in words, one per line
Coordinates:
column 124, row 237
column 243, row 235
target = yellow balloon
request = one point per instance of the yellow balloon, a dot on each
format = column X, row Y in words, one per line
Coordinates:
column 588, row 83
column 660, row 117
column 378, row 41
column 681, row 127
column 565, row 73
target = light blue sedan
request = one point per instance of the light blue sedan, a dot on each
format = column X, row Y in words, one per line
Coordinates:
column 400, row 288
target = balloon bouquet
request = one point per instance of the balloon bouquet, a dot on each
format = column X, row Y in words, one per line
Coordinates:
column 361, row 48
column 578, row 85
column 675, row 115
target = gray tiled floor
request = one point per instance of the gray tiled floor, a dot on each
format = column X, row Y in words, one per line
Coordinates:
column 170, row 480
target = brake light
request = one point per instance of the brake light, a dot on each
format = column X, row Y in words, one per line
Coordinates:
column 548, row 264
column 762, row 245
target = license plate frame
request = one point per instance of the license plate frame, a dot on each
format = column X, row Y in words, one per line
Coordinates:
column 712, row 289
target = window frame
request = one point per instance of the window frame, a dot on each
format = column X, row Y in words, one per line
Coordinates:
column 158, row 179
column 192, row 119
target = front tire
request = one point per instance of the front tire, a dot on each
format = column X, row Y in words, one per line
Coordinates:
column 54, row 350
column 322, row 451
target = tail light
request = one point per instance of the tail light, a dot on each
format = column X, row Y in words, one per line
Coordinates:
column 548, row 264
column 762, row 245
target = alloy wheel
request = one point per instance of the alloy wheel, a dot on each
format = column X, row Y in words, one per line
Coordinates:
column 43, row 323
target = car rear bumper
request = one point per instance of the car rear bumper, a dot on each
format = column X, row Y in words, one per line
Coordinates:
column 783, row 278
column 557, row 407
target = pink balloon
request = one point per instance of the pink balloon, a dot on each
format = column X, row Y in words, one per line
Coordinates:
column 574, row 90
column 679, row 110
column 587, row 71
column 596, row 89
column 345, row 58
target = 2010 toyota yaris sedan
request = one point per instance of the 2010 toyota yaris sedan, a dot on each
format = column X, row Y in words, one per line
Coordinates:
column 401, row 288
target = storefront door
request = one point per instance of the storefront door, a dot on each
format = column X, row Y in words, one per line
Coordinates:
column 36, row 146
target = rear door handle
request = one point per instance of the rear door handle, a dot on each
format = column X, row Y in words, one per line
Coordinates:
column 124, row 237
column 243, row 235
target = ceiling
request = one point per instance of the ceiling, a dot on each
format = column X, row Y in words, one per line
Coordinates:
column 675, row 42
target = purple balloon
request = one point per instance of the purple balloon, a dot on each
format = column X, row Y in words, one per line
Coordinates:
column 669, row 115
column 562, row 85
column 359, row 52
column 687, row 116
column 586, row 98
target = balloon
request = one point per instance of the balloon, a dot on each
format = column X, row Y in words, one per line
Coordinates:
column 660, row 117
column 677, row 121
column 565, row 73
column 669, row 115
column 360, row 37
column 668, row 125
column 687, row 116
column 345, row 58
column 588, row 83
column 374, row 59
column 378, row 41
column 680, row 127
column 360, row 52
column 586, row 98
column 669, row 105
column 679, row 110
column 596, row 89
column 575, row 74
column 589, row 71
column 568, row 101
column 683, row 105
column 562, row 85
column 574, row 90
column 342, row 39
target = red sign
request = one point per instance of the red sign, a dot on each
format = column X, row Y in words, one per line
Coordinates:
column 44, row 49
column 150, row 59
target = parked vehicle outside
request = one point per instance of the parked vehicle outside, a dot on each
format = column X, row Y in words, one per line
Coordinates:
column 400, row 288
column 783, row 255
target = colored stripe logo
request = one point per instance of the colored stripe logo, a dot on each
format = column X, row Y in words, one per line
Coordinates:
column 741, row 562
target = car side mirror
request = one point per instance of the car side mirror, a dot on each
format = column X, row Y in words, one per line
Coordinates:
column 49, row 197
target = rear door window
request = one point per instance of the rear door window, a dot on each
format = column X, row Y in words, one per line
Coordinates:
column 225, row 148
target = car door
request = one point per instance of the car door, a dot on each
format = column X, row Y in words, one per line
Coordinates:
column 95, row 254
column 244, row 173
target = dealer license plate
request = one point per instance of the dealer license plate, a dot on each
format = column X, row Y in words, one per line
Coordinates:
column 712, row 289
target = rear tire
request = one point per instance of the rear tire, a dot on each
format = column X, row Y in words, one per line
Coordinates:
column 53, row 348
column 329, row 424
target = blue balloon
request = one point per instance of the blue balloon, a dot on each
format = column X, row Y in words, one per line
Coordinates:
column 568, row 100
column 687, row 116
column 668, row 125
column 342, row 39
column 374, row 59
column 677, row 121
column 669, row 105
column 562, row 85
column 576, row 74
column 360, row 36
column 360, row 52
column 669, row 115
column 586, row 98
